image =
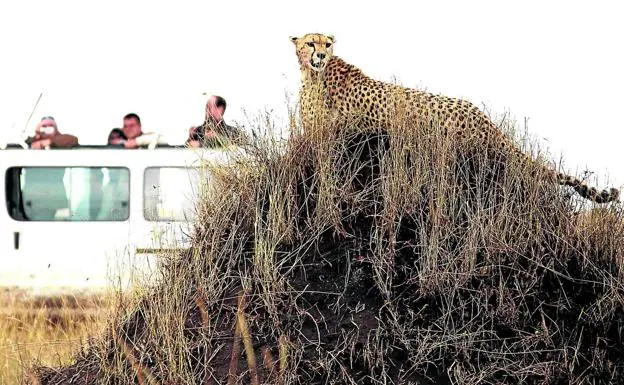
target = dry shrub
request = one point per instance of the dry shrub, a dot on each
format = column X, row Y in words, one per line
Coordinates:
column 365, row 257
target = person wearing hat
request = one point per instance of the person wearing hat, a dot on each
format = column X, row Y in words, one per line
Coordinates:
column 47, row 136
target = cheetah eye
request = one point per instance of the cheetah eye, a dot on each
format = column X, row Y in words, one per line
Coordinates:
column 310, row 44
column 328, row 45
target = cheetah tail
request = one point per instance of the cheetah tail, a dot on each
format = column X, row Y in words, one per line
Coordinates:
column 587, row 192
column 580, row 186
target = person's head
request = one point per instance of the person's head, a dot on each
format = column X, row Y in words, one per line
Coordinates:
column 47, row 127
column 215, row 107
column 132, row 125
column 115, row 135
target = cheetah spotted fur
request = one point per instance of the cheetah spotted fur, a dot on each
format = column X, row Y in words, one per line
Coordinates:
column 343, row 89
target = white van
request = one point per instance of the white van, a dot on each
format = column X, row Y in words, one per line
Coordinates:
column 92, row 217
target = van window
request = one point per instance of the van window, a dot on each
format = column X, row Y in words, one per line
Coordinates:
column 68, row 193
column 170, row 193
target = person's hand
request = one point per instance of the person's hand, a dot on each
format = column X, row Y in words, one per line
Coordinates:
column 37, row 135
column 41, row 144
column 130, row 143
column 194, row 143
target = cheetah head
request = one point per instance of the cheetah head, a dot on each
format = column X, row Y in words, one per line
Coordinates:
column 314, row 50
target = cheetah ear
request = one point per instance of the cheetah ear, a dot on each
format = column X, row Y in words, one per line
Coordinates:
column 294, row 39
column 332, row 38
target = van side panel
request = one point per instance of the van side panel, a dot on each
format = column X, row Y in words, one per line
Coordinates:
column 91, row 219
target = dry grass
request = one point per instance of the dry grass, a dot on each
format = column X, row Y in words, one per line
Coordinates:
column 49, row 330
column 373, row 257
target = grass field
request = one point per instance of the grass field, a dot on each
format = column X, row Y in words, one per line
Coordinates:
column 45, row 329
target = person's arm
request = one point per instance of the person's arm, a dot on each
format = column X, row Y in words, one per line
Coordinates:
column 130, row 143
column 64, row 140
column 40, row 144
column 116, row 141
column 146, row 139
column 192, row 139
column 236, row 135
column 192, row 133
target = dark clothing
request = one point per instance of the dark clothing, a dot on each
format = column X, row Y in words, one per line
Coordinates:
column 225, row 134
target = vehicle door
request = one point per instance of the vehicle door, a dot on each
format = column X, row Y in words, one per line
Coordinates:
column 66, row 219
column 170, row 193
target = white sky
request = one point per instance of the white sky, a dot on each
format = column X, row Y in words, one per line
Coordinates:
column 559, row 63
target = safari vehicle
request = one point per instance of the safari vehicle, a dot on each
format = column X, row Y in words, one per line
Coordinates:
column 95, row 217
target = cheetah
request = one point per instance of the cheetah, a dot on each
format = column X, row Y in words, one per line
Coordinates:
column 343, row 89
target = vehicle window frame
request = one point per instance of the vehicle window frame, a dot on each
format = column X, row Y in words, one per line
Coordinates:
column 158, row 219
column 23, row 217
